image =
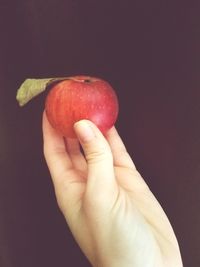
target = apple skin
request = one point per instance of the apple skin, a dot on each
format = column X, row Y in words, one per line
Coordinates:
column 81, row 97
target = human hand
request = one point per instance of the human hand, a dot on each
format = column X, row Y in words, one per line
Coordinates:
column 109, row 208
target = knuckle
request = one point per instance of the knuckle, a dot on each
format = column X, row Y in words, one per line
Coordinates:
column 99, row 155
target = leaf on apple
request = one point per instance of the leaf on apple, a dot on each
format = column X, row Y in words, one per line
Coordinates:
column 33, row 87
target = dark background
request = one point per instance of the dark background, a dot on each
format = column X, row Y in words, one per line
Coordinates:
column 149, row 52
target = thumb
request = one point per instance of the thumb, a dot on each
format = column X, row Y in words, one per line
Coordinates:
column 98, row 155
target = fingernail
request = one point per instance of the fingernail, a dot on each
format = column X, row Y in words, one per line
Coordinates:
column 84, row 131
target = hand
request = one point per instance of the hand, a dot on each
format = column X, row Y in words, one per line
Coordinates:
column 109, row 208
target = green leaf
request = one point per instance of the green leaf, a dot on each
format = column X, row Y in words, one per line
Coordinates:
column 33, row 87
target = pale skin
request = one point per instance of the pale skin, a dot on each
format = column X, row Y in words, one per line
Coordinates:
column 112, row 214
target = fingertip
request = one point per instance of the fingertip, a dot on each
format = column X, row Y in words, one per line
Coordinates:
column 44, row 117
column 111, row 132
column 46, row 126
column 84, row 130
column 52, row 140
column 45, row 122
column 118, row 148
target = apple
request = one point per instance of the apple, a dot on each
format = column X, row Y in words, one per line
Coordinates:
column 81, row 97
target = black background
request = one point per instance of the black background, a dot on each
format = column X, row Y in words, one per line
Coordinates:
column 149, row 52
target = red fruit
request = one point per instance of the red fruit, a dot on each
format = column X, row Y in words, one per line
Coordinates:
column 81, row 97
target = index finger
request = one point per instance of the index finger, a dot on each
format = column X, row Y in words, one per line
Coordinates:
column 120, row 155
column 55, row 153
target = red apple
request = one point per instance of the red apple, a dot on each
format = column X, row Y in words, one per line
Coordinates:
column 81, row 97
